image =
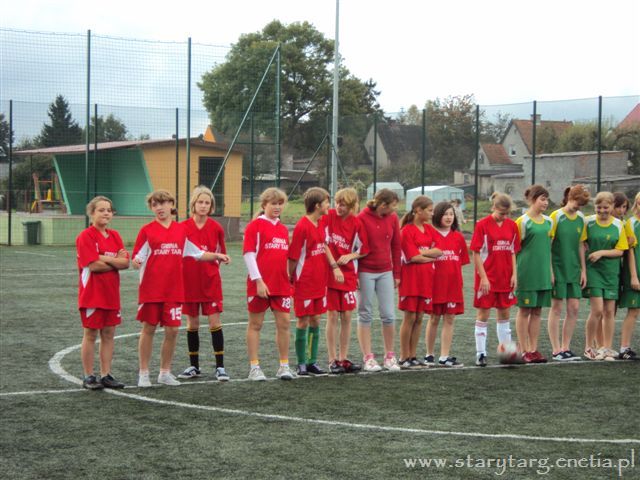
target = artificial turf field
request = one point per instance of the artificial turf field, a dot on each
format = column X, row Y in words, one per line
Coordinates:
column 553, row 421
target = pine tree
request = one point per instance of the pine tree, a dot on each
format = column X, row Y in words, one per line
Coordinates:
column 62, row 130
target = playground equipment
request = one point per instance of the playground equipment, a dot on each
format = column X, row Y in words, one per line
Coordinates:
column 46, row 194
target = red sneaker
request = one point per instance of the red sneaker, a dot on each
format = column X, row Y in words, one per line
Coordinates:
column 349, row 366
column 539, row 358
column 529, row 357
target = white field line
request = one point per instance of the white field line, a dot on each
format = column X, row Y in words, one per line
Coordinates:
column 34, row 253
column 56, row 367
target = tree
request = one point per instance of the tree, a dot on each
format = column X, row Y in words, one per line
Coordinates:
column 5, row 135
column 306, row 84
column 492, row 132
column 412, row 116
column 62, row 130
column 110, row 129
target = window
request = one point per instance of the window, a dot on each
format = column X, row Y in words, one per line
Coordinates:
column 512, row 150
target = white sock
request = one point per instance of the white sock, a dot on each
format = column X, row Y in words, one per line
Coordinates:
column 504, row 331
column 481, row 337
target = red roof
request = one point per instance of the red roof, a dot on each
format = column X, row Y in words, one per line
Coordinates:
column 525, row 127
column 496, row 154
column 632, row 119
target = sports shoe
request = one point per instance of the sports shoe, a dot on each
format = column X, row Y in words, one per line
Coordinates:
column 90, row 382
column 349, row 366
column 429, row 360
column 539, row 358
column 143, row 380
column 405, row 364
column 109, row 382
column 569, row 356
column 256, row 374
column 611, row 355
column 450, row 362
column 221, row 375
column 336, row 367
column 528, row 357
column 558, row 357
column 481, row 360
column 314, row 369
column 284, row 373
column 391, row 364
column 191, row 372
column 627, row 354
column 371, row 365
column 416, row 362
column 589, row 354
column 166, row 378
column 301, row 371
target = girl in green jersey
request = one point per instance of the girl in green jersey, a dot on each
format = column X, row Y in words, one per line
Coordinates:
column 569, row 270
column 535, row 276
column 630, row 294
column 605, row 242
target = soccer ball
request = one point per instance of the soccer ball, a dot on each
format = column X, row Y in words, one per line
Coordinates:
column 508, row 353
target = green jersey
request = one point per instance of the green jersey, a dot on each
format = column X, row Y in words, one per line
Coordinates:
column 632, row 232
column 534, row 259
column 565, row 246
column 605, row 273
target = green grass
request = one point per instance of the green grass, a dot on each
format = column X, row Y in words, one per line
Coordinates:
column 328, row 427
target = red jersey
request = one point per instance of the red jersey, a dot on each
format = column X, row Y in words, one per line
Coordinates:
column 312, row 268
column 202, row 279
column 98, row 289
column 495, row 244
column 416, row 279
column 447, row 285
column 269, row 240
column 161, row 251
column 345, row 236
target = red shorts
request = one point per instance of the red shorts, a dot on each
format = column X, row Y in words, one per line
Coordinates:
column 193, row 309
column 165, row 314
column 341, row 300
column 310, row 306
column 415, row 304
column 258, row 304
column 450, row 308
column 494, row 300
column 98, row 318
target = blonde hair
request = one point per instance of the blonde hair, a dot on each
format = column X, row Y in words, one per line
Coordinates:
column 384, row 196
column 93, row 204
column 201, row 190
column 501, row 200
column 161, row 196
column 314, row 196
column 422, row 202
column 635, row 208
column 578, row 193
column 271, row 194
column 348, row 196
column 604, row 197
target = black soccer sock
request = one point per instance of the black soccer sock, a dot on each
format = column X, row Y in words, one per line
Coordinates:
column 217, row 340
column 193, row 343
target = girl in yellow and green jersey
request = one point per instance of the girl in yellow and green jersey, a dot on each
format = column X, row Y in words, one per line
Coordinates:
column 535, row 276
column 630, row 292
column 605, row 242
column 569, row 270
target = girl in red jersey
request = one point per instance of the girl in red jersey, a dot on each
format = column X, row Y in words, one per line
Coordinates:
column 203, row 285
column 494, row 244
column 448, row 300
column 265, row 252
column 416, row 281
column 308, row 270
column 101, row 255
column 347, row 242
column 158, row 254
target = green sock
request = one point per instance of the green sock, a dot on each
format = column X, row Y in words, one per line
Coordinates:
column 313, row 341
column 301, row 345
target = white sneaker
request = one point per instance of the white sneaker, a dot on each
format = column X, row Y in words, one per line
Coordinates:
column 256, row 374
column 190, row 372
column 391, row 364
column 221, row 375
column 143, row 380
column 284, row 373
column 372, row 366
column 166, row 378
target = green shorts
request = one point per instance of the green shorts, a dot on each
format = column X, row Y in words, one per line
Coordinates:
column 629, row 299
column 534, row 298
column 566, row 290
column 604, row 293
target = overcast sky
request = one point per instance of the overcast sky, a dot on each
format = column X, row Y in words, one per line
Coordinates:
column 501, row 51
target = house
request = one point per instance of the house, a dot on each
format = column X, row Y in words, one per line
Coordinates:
column 518, row 139
column 395, row 143
column 492, row 160
column 632, row 119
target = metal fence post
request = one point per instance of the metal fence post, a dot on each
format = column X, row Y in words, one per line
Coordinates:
column 88, row 108
column 599, row 166
column 533, row 152
column 424, row 149
column 177, row 163
column 477, row 143
column 10, row 192
column 375, row 153
column 188, row 139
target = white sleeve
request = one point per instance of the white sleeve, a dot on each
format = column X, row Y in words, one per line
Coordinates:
column 190, row 250
column 143, row 253
column 252, row 265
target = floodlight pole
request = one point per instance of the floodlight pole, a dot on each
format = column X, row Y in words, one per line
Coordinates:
column 334, row 126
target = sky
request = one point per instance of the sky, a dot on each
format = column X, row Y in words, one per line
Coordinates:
column 502, row 52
